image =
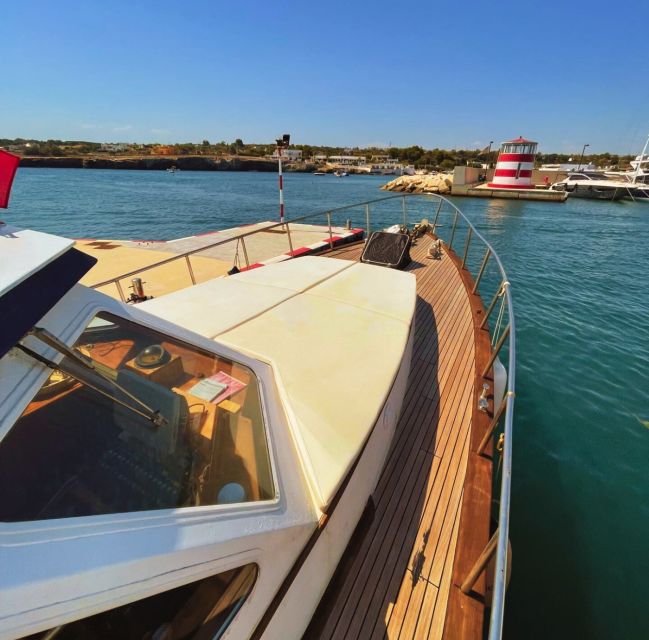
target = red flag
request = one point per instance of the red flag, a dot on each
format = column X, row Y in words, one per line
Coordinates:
column 8, row 165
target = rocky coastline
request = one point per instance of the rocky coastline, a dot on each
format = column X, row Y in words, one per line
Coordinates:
column 160, row 163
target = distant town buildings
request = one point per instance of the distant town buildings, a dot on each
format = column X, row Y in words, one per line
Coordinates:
column 115, row 147
column 290, row 155
column 385, row 160
column 347, row 160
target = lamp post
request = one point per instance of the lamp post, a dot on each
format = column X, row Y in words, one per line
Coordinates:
column 489, row 154
column 282, row 143
column 582, row 155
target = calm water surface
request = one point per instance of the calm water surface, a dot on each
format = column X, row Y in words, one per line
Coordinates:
column 580, row 281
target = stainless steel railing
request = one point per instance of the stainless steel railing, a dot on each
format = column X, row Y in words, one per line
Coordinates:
column 448, row 221
column 324, row 216
column 504, row 335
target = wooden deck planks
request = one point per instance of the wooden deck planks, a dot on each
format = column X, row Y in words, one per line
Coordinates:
column 397, row 584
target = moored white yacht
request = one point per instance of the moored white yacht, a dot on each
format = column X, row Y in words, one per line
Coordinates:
column 196, row 464
column 592, row 185
column 638, row 178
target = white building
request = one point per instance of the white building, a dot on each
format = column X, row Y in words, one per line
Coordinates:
column 385, row 162
column 347, row 160
column 289, row 155
column 118, row 146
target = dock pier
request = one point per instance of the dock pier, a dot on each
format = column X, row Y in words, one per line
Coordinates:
column 482, row 190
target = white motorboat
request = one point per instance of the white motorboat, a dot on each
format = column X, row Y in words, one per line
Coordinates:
column 640, row 165
column 592, row 185
column 196, row 464
column 638, row 178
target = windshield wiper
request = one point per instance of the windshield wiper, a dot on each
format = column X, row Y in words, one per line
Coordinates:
column 87, row 364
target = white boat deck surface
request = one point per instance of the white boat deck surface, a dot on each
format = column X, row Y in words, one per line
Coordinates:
column 395, row 577
column 116, row 257
column 305, row 317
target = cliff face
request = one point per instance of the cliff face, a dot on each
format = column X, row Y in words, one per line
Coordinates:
column 187, row 163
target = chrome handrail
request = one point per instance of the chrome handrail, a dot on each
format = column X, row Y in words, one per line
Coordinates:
column 502, row 533
column 501, row 550
column 186, row 254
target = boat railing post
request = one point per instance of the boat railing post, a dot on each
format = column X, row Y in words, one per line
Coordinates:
column 450, row 243
column 439, row 208
column 480, row 564
column 498, row 347
column 367, row 220
column 404, row 206
column 119, row 290
column 491, row 306
column 290, row 240
column 483, row 266
column 466, row 246
column 245, row 251
column 331, row 235
column 191, row 271
column 494, row 423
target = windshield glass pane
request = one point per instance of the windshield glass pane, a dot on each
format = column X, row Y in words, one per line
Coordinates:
column 76, row 452
column 199, row 610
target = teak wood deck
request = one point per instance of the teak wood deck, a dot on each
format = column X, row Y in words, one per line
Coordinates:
column 396, row 575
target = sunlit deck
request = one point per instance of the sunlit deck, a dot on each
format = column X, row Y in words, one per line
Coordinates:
column 395, row 578
column 210, row 255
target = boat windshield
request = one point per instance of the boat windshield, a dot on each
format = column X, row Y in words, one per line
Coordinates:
column 77, row 452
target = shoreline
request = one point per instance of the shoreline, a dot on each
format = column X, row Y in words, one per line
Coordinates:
column 161, row 163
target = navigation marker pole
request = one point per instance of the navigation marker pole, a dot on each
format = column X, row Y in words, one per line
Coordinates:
column 281, row 185
column 282, row 143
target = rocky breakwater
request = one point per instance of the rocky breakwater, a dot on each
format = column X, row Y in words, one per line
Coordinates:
column 440, row 183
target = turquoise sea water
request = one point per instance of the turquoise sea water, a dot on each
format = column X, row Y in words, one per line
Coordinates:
column 580, row 281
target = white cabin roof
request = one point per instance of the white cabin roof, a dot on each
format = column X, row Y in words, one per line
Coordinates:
column 24, row 252
column 335, row 333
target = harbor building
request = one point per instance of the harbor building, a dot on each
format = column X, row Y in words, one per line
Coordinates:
column 347, row 160
column 289, row 155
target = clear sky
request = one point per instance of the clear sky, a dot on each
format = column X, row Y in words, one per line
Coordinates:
column 437, row 74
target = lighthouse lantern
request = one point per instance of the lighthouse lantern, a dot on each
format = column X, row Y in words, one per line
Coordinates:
column 515, row 165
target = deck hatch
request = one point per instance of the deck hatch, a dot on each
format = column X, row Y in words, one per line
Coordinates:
column 22, row 306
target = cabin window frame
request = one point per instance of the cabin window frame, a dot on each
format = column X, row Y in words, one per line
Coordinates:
column 197, row 581
column 38, row 375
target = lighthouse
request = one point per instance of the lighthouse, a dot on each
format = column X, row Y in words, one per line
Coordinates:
column 515, row 164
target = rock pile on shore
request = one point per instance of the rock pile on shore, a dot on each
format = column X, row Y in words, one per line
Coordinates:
column 439, row 183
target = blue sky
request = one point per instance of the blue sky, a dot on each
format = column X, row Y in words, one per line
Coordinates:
column 452, row 74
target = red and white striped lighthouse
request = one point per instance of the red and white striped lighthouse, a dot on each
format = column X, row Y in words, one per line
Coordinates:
column 515, row 164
